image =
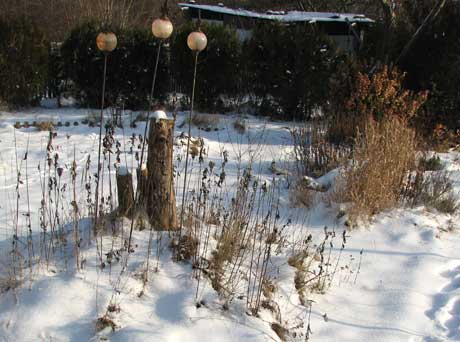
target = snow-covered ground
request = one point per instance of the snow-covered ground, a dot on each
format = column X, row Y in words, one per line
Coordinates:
column 396, row 279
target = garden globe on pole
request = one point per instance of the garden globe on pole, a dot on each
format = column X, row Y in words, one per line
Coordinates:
column 162, row 28
column 106, row 41
column 197, row 41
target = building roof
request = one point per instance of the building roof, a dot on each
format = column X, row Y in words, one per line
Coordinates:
column 282, row 16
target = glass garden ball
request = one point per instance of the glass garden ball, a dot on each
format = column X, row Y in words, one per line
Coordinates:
column 162, row 28
column 106, row 41
column 197, row 41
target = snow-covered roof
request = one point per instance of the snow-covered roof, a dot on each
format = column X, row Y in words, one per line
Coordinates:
column 282, row 16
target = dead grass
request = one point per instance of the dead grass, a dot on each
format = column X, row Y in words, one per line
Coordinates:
column 299, row 262
column 384, row 154
column 227, row 248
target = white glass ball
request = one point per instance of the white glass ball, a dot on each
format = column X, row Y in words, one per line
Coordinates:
column 162, row 28
column 106, row 41
column 197, row 41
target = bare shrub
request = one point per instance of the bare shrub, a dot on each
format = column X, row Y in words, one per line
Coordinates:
column 105, row 322
column 206, row 122
column 314, row 155
column 430, row 164
column 186, row 248
column 448, row 204
column 300, row 196
column 240, row 126
column 45, row 126
column 434, row 190
column 443, row 138
column 92, row 118
column 9, row 281
column 381, row 95
column 383, row 155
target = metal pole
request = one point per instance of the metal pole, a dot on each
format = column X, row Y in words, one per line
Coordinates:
column 99, row 166
column 150, row 102
column 96, row 216
column 188, row 147
column 136, row 197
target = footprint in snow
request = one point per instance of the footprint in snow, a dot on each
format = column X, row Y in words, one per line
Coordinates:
column 446, row 306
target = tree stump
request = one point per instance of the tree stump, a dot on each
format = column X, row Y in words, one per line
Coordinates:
column 125, row 192
column 161, row 198
column 142, row 184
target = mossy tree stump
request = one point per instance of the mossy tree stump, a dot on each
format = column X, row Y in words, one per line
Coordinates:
column 161, row 198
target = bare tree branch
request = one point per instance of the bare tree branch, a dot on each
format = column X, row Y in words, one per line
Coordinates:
column 430, row 17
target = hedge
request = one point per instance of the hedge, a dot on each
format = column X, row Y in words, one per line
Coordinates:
column 292, row 65
column 129, row 68
column 219, row 66
column 287, row 67
column 24, row 52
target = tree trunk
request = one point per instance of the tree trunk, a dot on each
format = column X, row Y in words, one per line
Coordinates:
column 161, row 198
column 389, row 21
column 125, row 192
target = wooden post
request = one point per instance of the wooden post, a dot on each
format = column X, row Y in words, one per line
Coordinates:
column 161, row 198
column 125, row 192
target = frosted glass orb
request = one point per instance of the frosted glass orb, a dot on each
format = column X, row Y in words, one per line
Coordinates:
column 106, row 41
column 197, row 41
column 162, row 28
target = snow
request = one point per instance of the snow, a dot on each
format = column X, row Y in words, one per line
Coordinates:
column 52, row 103
column 123, row 171
column 159, row 115
column 291, row 16
column 398, row 277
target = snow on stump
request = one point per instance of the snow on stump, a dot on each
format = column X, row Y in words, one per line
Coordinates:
column 161, row 199
column 125, row 192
